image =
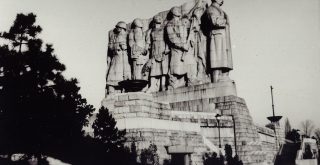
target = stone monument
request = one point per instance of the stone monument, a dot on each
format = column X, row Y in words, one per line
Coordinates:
column 177, row 52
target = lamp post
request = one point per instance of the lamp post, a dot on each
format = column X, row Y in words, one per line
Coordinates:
column 218, row 116
column 234, row 134
column 274, row 120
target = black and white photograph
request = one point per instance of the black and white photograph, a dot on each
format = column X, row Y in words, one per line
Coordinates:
column 159, row 82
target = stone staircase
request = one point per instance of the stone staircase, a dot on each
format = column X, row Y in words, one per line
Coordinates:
column 210, row 145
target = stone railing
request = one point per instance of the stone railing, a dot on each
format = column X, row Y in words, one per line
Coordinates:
column 314, row 150
column 265, row 130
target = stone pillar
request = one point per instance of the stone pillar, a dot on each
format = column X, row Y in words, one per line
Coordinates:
column 248, row 141
column 187, row 159
column 279, row 134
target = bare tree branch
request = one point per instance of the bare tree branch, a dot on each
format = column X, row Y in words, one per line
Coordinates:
column 307, row 127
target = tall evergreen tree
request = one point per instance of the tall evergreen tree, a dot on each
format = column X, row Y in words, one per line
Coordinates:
column 287, row 126
column 150, row 156
column 40, row 111
column 111, row 149
column 105, row 130
column 22, row 31
column 293, row 135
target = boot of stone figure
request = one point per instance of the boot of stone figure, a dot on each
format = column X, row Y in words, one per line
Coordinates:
column 224, row 76
column 153, row 85
column 163, row 83
column 215, row 75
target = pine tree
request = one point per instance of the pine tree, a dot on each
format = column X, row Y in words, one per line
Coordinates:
column 41, row 112
column 22, row 31
column 293, row 135
column 150, row 156
column 287, row 126
column 105, row 130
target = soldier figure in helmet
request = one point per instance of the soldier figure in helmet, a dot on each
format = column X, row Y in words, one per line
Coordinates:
column 118, row 68
column 177, row 34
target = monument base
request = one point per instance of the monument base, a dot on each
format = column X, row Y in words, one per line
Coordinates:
column 184, row 118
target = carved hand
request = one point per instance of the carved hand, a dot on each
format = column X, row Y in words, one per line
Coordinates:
column 123, row 46
column 221, row 22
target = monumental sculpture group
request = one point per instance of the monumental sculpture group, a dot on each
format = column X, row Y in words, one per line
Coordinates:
column 168, row 78
column 173, row 52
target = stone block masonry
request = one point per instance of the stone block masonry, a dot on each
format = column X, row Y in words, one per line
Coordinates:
column 186, row 117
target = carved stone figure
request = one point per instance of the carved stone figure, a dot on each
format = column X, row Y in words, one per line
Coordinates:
column 177, row 36
column 118, row 68
column 159, row 55
column 220, row 45
column 198, row 45
column 138, row 50
column 189, row 57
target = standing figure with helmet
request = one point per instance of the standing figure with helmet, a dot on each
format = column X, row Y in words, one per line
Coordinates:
column 118, row 68
column 177, row 34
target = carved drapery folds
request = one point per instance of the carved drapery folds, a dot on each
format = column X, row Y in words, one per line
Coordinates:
column 181, row 47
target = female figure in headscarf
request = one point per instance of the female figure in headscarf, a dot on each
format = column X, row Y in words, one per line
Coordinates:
column 138, row 52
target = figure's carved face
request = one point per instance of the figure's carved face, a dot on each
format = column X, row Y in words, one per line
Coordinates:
column 137, row 23
column 176, row 12
column 137, row 29
column 157, row 19
column 118, row 29
column 219, row 2
column 121, row 26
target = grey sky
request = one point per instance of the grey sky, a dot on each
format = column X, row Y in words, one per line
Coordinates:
column 274, row 43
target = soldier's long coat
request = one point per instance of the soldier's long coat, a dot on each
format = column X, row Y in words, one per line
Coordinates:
column 220, row 54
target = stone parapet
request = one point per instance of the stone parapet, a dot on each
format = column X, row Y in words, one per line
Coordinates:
column 202, row 91
column 265, row 130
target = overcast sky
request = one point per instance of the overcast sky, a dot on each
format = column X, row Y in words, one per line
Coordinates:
column 275, row 42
